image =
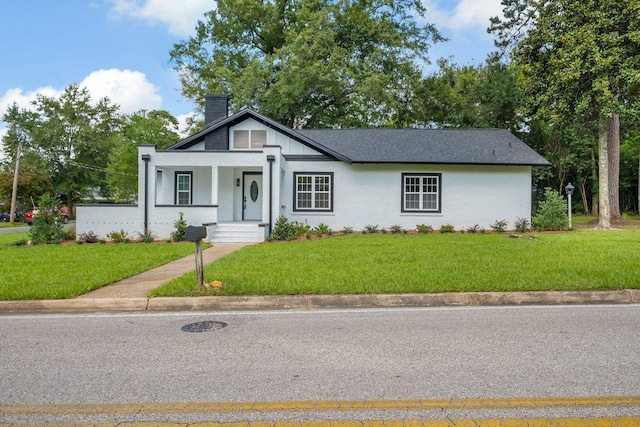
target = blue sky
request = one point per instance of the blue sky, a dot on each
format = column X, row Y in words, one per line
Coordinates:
column 120, row 48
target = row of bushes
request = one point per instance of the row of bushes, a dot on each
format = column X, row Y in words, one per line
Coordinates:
column 147, row 236
column 550, row 215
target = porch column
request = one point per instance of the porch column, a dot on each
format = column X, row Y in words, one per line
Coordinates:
column 214, row 185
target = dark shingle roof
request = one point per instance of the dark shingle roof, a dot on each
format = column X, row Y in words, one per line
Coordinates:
column 436, row 146
column 383, row 145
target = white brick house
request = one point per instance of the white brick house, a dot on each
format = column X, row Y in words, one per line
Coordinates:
column 243, row 171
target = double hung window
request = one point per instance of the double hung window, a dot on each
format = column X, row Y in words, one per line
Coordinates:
column 184, row 188
column 421, row 192
column 313, row 192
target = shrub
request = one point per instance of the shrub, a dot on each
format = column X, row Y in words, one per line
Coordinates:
column 300, row 229
column 322, row 228
column 424, row 229
column 146, row 236
column 395, row 229
column 20, row 242
column 69, row 233
column 447, row 228
column 178, row 234
column 283, row 229
column 522, row 224
column 499, row 226
column 552, row 212
column 118, row 236
column 473, row 228
column 370, row 229
column 347, row 230
column 88, row 237
column 46, row 227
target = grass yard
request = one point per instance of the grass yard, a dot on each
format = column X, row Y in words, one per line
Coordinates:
column 385, row 263
column 69, row 270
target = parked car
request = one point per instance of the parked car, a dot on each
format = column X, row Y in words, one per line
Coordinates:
column 33, row 212
column 6, row 216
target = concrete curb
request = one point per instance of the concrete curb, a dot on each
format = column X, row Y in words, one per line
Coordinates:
column 310, row 302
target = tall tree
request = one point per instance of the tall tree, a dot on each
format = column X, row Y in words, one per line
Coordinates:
column 481, row 96
column 19, row 147
column 579, row 61
column 153, row 127
column 308, row 63
column 74, row 136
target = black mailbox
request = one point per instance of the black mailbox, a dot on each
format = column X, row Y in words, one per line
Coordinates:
column 194, row 233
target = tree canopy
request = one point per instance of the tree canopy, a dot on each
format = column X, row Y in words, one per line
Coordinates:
column 66, row 138
column 153, row 127
column 579, row 61
column 309, row 63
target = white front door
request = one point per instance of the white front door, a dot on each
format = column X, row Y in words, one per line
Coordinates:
column 252, row 196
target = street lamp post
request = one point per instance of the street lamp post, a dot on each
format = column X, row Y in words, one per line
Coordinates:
column 569, row 189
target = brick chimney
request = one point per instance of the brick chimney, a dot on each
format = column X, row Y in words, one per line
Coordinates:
column 216, row 107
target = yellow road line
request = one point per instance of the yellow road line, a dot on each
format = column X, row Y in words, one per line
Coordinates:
column 320, row 405
column 498, row 422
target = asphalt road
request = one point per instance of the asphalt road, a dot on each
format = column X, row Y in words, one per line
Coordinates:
column 5, row 230
column 433, row 355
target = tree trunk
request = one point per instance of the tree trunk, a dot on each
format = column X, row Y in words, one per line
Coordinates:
column 613, row 148
column 594, row 178
column 14, row 190
column 604, row 206
column 69, row 203
column 583, row 194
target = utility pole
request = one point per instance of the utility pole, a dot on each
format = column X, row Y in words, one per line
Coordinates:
column 14, row 192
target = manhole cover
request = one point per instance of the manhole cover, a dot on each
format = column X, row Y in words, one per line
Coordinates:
column 203, row 326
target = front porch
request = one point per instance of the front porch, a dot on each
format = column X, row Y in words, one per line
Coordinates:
column 227, row 191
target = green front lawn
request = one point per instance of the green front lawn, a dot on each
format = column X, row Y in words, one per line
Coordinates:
column 352, row 264
column 69, row 270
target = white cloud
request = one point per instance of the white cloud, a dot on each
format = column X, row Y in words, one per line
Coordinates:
column 24, row 99
column 180, row 16
column 464, row 15
column 183, row 126
column 129, row 89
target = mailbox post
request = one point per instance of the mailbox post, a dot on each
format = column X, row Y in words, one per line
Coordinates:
column 195, row 234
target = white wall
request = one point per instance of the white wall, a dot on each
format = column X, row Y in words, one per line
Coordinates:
column 103, row 219
column 372, row 194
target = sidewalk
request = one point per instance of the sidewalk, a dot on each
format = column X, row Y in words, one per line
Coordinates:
column 140, row 285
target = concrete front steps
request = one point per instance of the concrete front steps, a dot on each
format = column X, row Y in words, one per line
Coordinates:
column 236, row 232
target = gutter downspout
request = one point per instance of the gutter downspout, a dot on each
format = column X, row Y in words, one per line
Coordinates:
column 271, row 159
column 146, row 158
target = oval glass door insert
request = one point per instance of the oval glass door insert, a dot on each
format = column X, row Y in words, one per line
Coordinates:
column 254, row 191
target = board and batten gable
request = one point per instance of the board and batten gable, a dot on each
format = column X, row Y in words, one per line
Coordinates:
column 288, row 145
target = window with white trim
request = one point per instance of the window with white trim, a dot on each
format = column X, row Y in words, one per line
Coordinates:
column 183, row 188
column 313, row 191
column 421, row 192
column 249, row 139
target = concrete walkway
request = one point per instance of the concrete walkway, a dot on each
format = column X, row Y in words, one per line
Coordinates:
column 138, row 286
